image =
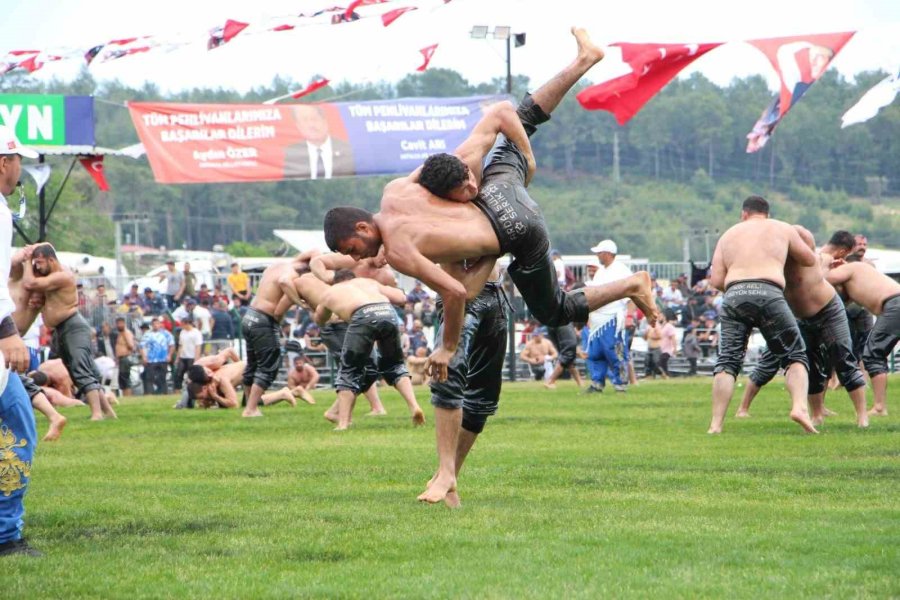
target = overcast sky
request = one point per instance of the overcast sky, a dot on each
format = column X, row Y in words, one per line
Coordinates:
column 367, row 51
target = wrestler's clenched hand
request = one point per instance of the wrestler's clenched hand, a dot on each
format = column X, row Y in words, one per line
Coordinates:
column 436, row 365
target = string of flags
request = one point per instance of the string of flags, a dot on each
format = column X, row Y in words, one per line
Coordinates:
column 387, row 11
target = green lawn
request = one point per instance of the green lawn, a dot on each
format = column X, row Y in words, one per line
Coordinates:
column 565, row 495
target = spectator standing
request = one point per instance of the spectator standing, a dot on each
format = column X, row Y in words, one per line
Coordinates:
column 239, row 282
column 560, row 267
column 174, row 284
column 607, row 354
column 189, row 342
column 668, row 345
column 99, row 311
column 157, row 348
column 203, row 319
column 654, row 335
column 106, row 341
column 125, row 347
column 189, row 289
column 223, row 326
column 691, row 348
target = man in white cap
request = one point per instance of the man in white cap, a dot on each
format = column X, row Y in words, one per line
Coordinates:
column 17, row 432
column 607, row 353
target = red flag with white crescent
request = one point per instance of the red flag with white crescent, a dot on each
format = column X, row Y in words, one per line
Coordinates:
column 94, row 166
column 651, row 67
column 799, row 61
column 427, row 52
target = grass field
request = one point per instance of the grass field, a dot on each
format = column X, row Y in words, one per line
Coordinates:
column 565, row 495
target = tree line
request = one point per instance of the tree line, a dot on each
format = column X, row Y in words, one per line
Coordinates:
column 677, row 171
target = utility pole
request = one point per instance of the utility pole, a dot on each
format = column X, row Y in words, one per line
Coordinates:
column 128, row 219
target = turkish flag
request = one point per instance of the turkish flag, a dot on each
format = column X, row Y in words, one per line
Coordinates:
column 94, row 166
column 427, row 52
column 312, row 87
column 651, row 67
column 392, row 15
column 800, row 60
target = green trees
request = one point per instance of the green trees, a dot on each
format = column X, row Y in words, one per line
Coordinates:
column 681, row 160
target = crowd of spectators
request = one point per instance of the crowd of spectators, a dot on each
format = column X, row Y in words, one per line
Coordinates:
column 213, row 317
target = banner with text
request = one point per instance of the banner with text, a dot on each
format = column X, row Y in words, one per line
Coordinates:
column 49, row 119
column 213, row 143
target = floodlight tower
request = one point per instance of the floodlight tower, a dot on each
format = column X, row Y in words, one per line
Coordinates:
column 501, row 32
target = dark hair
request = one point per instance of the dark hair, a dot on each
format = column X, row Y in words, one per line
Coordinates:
column 842, row 239
column 340, row 224
column 120, row 319
column 197, row 374
column 853, row 258
column 194, row 389
column 755, row 204
column 343, row 275
column 44, row 250
column 39, row 377
column 443, row 172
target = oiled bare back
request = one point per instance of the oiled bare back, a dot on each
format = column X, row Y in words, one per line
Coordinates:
column 806, row 290
column 756, row 249
column 866, row 286
column 441, row 230
column 344, row 298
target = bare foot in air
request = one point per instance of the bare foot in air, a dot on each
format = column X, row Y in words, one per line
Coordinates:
column 878, row 412
column 586, row 48
column 57, row 423
column 418, row 418
column 642, row 295
column 440, row 486
column 331, row 416
column 550, row 386
column 828, row 412
column 802, row 419
column 251, row 414
column 742, row 413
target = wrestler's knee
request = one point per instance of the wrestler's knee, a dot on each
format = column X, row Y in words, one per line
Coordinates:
column 473, row 423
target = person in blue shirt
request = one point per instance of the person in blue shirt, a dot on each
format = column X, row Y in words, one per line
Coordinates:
column 157, row 346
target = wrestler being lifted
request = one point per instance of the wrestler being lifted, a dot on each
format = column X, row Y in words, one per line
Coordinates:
column 28, row 307
column 489, row 213
column 366, row 305
column 71, row 333
column 748, row 265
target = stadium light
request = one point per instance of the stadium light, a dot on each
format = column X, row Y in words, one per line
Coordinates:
column 501, row 32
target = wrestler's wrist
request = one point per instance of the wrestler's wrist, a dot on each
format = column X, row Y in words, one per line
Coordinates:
column 8, row 328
